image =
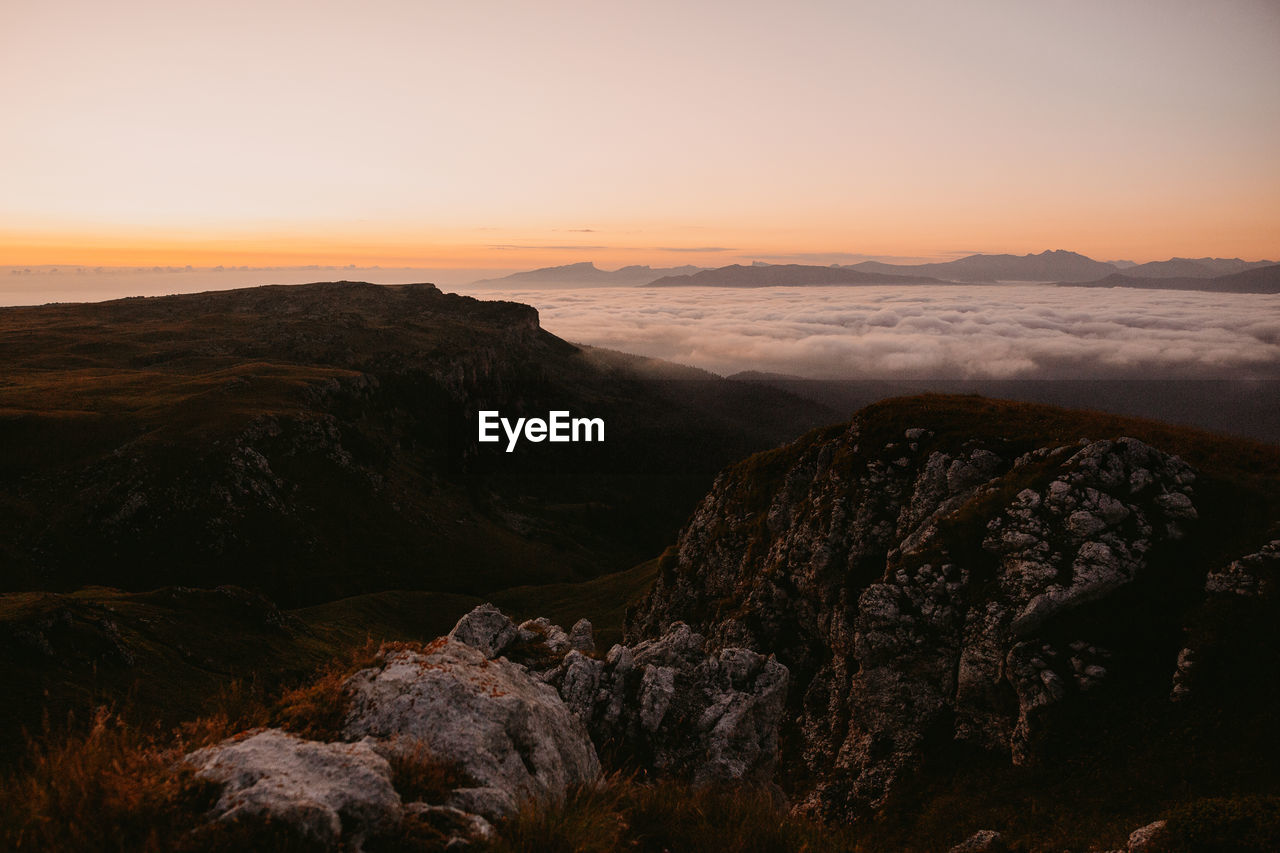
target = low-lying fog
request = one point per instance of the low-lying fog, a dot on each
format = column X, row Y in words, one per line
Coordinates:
column 926, row 332
column 1010, row 331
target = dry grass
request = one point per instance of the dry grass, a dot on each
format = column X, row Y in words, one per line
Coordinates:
column 120, row 788
column 317, row 709
column 112, row 788
column 1222, row 825
column 623, row 813
column 420, row 777
column 115, row 786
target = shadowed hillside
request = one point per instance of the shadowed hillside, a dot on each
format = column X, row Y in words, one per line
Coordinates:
column 968, row 617
column 318, row 441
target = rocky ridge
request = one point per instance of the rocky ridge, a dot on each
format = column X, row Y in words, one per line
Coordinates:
column 926, row 589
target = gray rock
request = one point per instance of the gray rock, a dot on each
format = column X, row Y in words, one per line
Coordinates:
column 657, row 689
column 1243, row 577
column 334, row 793
column 487, row 629
column 580, row 683
column 482, row 801
column 504, row 728
column 742, row 716
column 1230, row 589
column 543, row 630
column 1142, row 838
column 466, row 827
column 582, row 637
column 982, row 841
column 679, row 710
column 1182, row 675
column 677, row 646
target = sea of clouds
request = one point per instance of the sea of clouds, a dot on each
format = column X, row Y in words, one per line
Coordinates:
column 1009, row 331
column 926, row 332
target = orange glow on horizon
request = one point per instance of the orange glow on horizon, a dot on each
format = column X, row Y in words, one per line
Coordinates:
column 610, row 249
column 509, row 136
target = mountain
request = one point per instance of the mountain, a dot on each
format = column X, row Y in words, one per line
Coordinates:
column 776, row 275
column 318, row 441
column 1258, row 279
column 1048, row 266
column 1058, row 265
column 586, row 273
column 1193, row 267
column 949, row 617
column 998, row 615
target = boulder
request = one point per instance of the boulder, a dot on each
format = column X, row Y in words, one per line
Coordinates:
column 544, row 632
column 335, row 794
column 505, row 729
column 582, row 637
column 487, row 629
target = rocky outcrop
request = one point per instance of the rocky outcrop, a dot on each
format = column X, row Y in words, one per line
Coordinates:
column 917, row 584
column 669, row 707
column 332, row 794
column 508, row 732
column 1250, row 576
column 503, row 731
column 665, row 706
column 1235, row 594
column 513, row 730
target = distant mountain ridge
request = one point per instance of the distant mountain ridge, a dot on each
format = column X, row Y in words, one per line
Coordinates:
column 1054, row 265
column 1264, row 279
column 1193, row 267
column 1063, row 266
column 775, row 275
column 587, row 272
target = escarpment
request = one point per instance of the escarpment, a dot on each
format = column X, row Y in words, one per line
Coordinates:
column 319, row 441
column 975, row 590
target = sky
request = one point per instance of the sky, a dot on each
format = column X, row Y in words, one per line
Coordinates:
column 518, row 134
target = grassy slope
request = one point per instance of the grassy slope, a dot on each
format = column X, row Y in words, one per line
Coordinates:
column 318, row 441
column 417, row 615
column 161, row 656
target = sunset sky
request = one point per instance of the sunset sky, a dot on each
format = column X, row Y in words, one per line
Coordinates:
column 517, row 134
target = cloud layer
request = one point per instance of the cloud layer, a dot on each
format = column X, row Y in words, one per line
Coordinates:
column 935, row 332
